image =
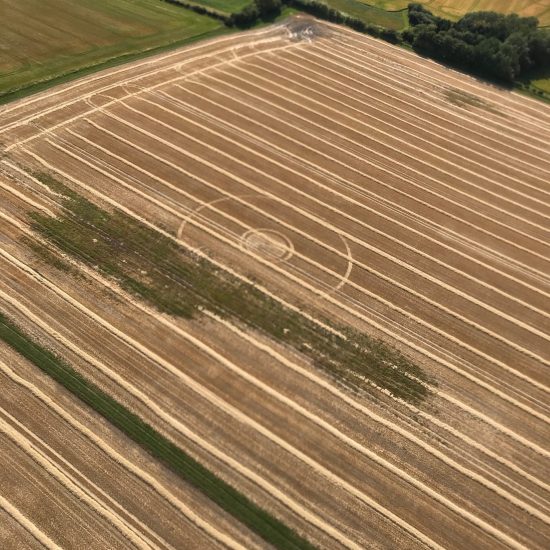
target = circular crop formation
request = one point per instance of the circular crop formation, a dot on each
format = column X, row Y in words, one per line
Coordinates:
column 268, row 243
column 324, row 260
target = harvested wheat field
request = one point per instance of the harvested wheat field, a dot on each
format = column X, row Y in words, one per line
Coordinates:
column 214, row 237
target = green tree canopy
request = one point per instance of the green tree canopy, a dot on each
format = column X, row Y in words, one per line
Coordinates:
column 488, row 43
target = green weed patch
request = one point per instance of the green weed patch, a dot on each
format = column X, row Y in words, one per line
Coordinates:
column 174, row 280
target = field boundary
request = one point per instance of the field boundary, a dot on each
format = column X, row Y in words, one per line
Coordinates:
column 178, row 461
column 69, row 76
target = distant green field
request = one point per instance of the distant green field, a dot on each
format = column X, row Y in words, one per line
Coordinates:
column 454, row 9
column 542, row 84
column 226, row 6
column 44, row 39
column 371, row 14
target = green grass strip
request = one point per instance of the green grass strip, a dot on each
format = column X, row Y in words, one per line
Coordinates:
column 224, row 495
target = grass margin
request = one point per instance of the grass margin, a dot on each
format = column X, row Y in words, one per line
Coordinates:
column 228, row 498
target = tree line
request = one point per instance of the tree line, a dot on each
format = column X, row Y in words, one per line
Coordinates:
column 249, row 16
column 267, row 10
column 493, row 45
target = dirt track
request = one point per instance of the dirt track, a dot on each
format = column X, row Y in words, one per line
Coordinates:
column 337, row 172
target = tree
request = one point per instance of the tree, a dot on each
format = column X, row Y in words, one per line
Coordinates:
column 419, row 15
column 268, row 8
column 246, row 17
column 495, row 45
column 539, row 48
